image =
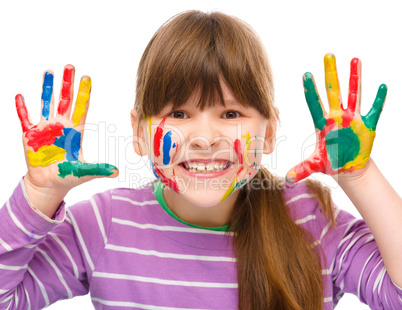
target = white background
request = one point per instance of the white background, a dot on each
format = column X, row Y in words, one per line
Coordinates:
column 106, row 39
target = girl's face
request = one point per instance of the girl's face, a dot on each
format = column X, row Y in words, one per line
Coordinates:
column 205, row 156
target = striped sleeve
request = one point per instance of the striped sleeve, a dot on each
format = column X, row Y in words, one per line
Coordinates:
column 358, row 267
column 43, row 260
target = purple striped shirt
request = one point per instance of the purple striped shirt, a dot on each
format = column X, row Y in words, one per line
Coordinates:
column 128, row 250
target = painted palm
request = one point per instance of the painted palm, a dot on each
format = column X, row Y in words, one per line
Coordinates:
column 53, row 146
column 344, row 137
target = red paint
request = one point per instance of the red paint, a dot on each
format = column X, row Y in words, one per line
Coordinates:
column 65, row 99
column 168, row 182
column 22, row 112
column 237, row 146
column 354, row 83
column 158, row 138
column 46, row 136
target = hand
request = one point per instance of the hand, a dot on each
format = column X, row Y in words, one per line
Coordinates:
column 344, row 137
column 53, row 150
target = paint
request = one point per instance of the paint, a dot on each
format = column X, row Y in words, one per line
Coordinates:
column 80, row 169
column 46, row 136
column 71, row 142
column 171, row 183
column 167, row 145
column 346, row 138
column 81, row 102
column 45, row 156
column 342, row 147
column 313, row 101
column 372, row 117
column 22, row 113
column 47, row 91
column 237, row 147
column 66, row 90
column 158, row 138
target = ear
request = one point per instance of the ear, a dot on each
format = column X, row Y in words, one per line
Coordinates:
column 270, row 136
column 139, row 139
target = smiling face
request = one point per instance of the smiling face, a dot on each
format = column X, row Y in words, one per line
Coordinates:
column 205, row 156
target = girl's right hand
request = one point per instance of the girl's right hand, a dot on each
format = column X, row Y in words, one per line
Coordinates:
column 53, row 147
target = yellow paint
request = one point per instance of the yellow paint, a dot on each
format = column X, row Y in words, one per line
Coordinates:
column 332, row 83
column 149, row 135
column 366, row 137
column 229, row 190
column 337, row 116
column 82, row 100
column 247, row 148
column 45, row 156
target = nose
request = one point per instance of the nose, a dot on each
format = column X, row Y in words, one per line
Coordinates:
column 204, row 133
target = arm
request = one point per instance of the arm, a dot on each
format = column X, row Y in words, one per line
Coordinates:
column 381, row 208
column 40, row 257
column 344, row 142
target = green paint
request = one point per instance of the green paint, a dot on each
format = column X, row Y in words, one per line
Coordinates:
column 313, row 101
column 343, row 146
column 371, row 118
column 80, row 169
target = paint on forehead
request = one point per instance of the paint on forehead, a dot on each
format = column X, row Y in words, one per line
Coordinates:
column 158, row 138
column 73, row 144
column 167, row 145
column 47, row 92
column 80, row 169
column 45, row 156
column 46, row 136
column 82, row 100
column 171, row 183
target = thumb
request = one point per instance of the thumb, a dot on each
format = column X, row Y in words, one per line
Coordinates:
column 304, row 169
column 82, row 169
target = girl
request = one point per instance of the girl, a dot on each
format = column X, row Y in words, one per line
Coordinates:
column 216, row 230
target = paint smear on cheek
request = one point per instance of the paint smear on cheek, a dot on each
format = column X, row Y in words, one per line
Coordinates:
column 46, row 136
column 167, row 145
column 237, row 147
column 158, row 138
column 171, row 183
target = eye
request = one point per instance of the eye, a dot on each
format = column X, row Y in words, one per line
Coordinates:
column 231, row 114
column 178, row 114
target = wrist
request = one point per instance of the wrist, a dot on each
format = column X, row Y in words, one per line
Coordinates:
column 356, row 177
column 45, row 200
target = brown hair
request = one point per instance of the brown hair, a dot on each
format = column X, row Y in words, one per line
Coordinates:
column 276, row 266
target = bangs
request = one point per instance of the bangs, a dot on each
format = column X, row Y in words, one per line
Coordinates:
column 195, row 51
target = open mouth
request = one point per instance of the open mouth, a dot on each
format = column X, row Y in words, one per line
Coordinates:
column 210, row 167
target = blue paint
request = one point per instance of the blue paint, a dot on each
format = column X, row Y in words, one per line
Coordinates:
column 151, row 164
column 71, row 142
column 174, row 144
column 47, row 92
column 167, row 145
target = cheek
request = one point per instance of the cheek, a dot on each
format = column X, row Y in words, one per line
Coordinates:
column 252, row 148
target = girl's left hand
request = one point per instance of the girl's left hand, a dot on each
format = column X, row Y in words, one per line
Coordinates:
column 344, row 137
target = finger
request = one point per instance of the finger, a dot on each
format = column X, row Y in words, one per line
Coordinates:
column 82, row 101
column 372, row 117
column 332, row 83
column 313, row 101
column 303, row 170
column 82, row 169
column 66, row 92
column 355, row 85
column 47, row 95
column 22, row 112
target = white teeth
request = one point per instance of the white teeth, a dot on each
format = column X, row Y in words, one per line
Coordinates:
column 201, row 167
